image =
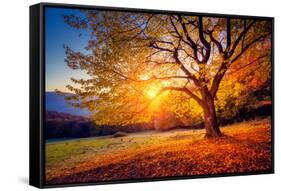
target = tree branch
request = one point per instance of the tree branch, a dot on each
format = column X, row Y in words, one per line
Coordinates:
column 186, row 90
column 153, row 44
column 228, row 33
column 191, row 43
column 217, row 79
column 151, row 78
column 253, row 61
column 247, row 47
column 217, row 43
column 243, row 33
column 177, row 32
column 186, row 71
column 183, row 89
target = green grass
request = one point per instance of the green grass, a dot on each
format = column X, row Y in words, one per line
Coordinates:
column 62, row 150
column 57, row 152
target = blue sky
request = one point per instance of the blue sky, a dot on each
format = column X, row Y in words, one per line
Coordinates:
column 58, row 33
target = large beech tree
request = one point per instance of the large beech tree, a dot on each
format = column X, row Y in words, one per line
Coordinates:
column 129, row 54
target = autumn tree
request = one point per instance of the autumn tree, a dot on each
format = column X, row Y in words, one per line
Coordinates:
column 135, row 60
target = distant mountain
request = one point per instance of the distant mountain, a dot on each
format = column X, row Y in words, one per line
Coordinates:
column 57, row 116
column 55, row 102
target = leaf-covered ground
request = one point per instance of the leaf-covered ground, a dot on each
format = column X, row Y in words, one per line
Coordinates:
column 245, row 147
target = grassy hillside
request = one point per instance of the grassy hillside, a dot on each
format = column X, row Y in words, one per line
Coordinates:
column 245, row 147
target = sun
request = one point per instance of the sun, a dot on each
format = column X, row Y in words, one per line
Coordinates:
column 151, row 93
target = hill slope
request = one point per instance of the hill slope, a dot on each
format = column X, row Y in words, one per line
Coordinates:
column 245, row 147
column 55, row 102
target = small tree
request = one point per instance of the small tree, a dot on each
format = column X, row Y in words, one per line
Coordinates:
column 134, row 60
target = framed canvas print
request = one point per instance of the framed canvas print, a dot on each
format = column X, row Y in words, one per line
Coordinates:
column 129, row 95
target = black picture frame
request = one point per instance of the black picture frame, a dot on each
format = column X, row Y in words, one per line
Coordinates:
column 37, row 92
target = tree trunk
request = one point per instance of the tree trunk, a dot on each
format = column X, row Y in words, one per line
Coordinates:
column 210, row 118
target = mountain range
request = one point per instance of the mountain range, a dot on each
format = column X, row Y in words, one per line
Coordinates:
column 55, row 102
